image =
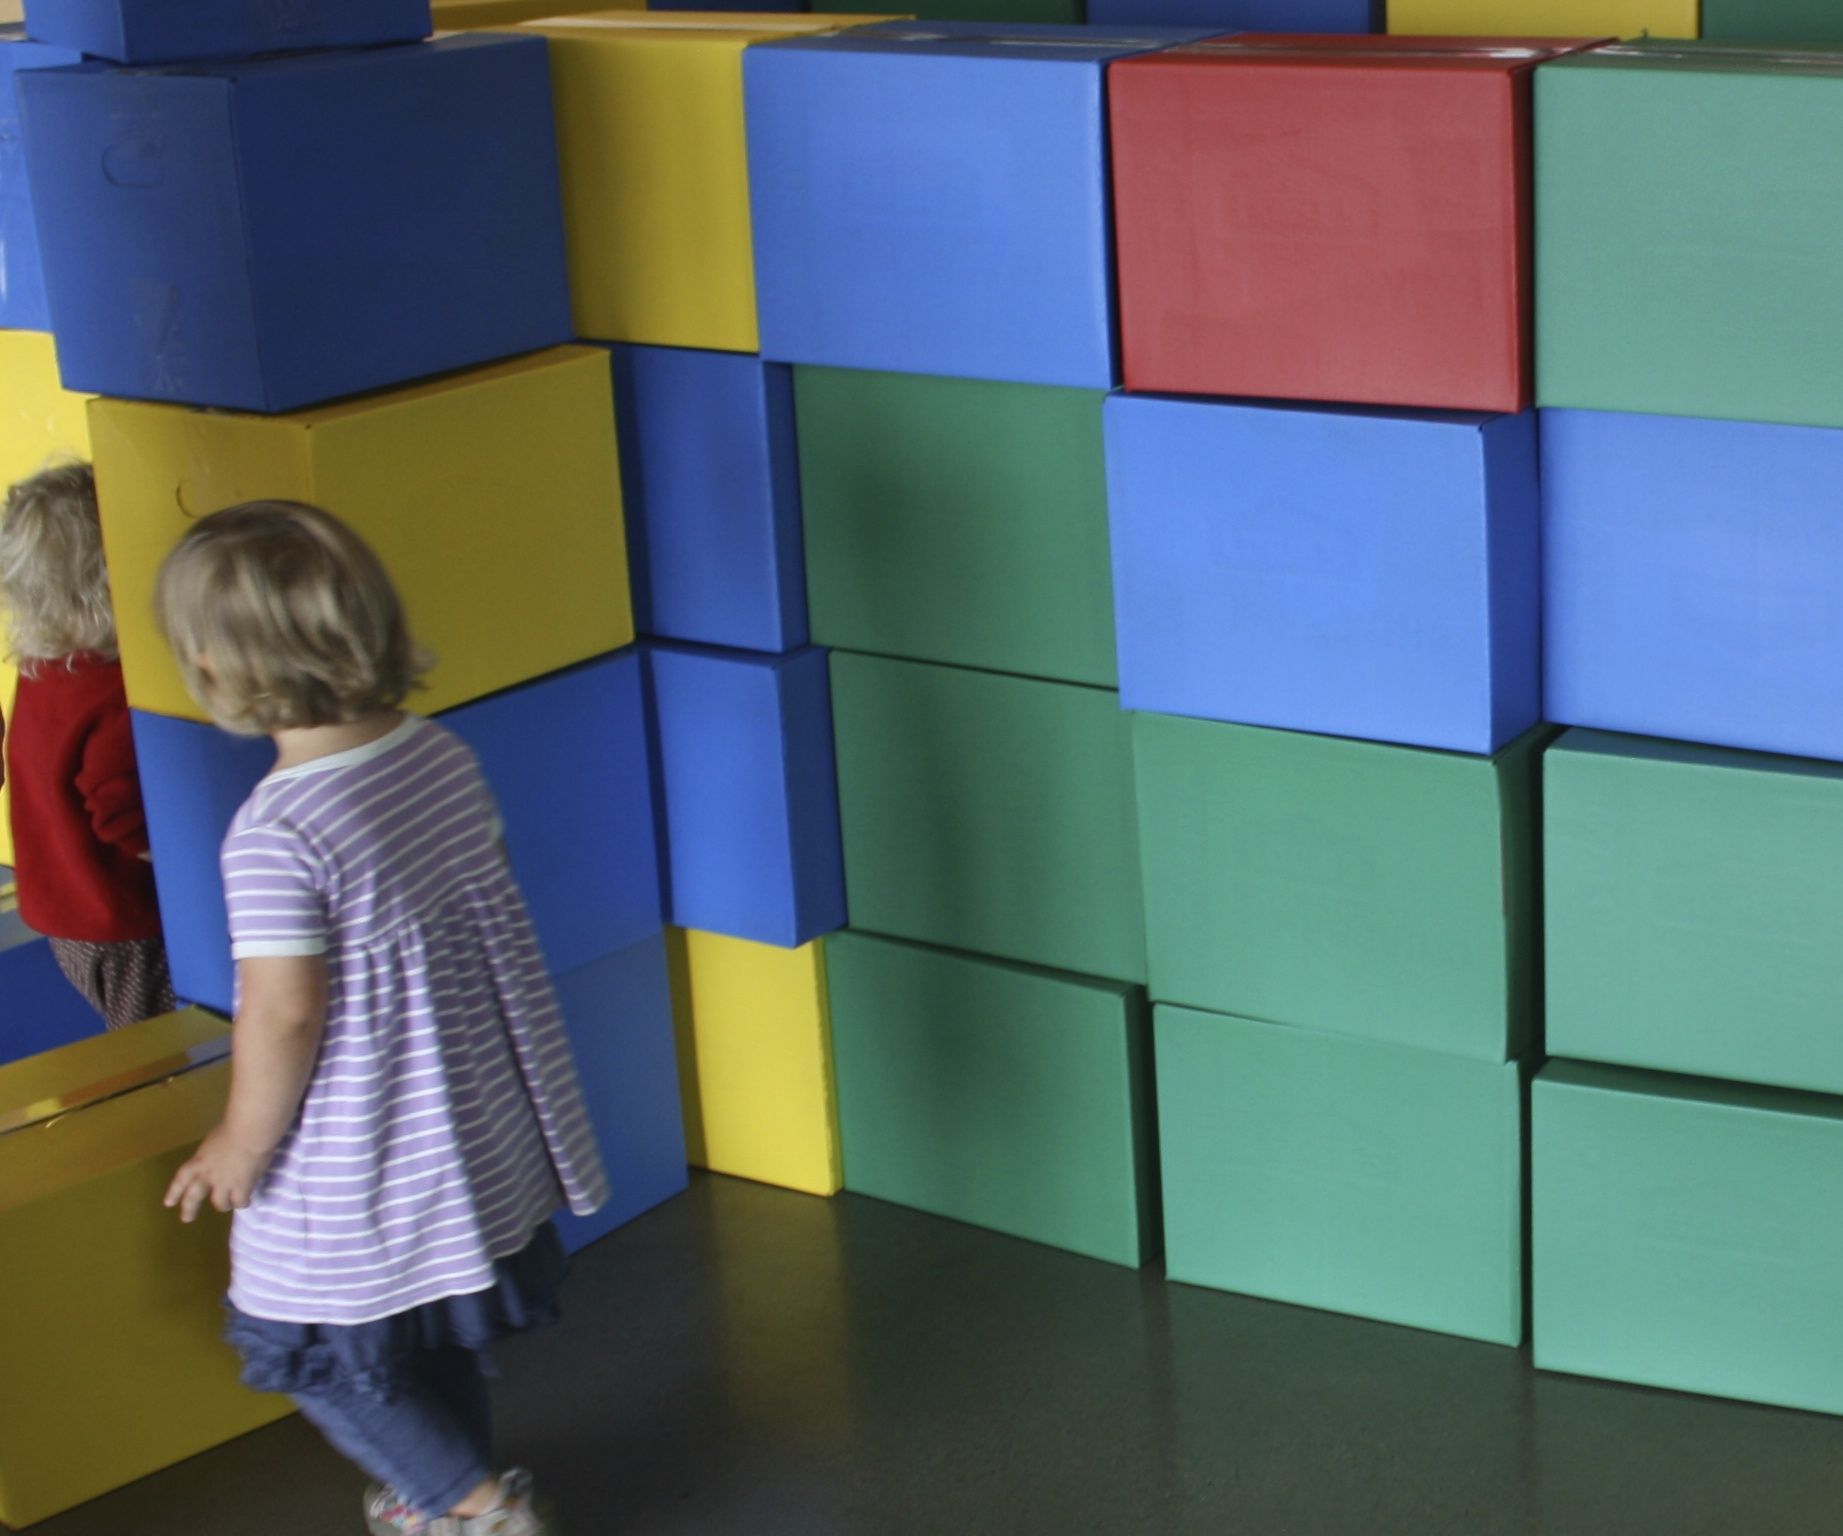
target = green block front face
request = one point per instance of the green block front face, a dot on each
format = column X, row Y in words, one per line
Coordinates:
column 957, row 520
column 1008, row 1097
column 1341, row 885
column 1069, row 12
column 1801, row 23
column 988, row 813
column 1686, row 1235
column 1695, row 909
column 1689, row 208
column 1343, row 1174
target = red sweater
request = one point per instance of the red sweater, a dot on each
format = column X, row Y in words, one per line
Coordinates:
column 78, row 828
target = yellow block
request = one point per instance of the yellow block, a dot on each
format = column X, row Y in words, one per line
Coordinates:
column 467, row 15
column 111, row 1359
column 755, row 1061
column 493, row 496
column 655, row 171
column 1546, row 18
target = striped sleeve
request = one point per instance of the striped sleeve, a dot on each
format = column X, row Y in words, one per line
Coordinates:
column 274, row 896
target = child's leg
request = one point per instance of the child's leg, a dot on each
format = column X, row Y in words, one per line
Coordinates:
column 125, row 983
column 455, row 1377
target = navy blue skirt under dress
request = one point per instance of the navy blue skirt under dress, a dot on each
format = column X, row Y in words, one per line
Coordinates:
column 305, row 1358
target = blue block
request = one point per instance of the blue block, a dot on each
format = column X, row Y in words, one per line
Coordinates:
column 933, row 198
column 711, row 482
column 566, row 756
column 1241, row 15
column 1693, row 579
column 1348, row 572
column 269, row 235
column 750, row 789
column 22, row 276
column 619, row 1012
column 39, row 1009
column 173, row 31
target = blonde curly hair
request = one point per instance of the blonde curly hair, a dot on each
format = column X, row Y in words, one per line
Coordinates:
column 54, row 581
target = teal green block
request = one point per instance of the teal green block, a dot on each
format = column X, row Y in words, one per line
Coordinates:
column 1343, row 1174
column 988, row 813
column 1803, row 23
column 1695, row 909
column 957, row 520
column 1001, row 1095
column 1689, row 211
column 1348, row 886
column 1686, row 1235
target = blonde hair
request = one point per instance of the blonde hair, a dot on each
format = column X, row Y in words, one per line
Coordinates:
column 281, row 617
column 54, row 582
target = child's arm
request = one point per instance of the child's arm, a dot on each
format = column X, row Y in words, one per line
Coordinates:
column 110, row 784
column 275, row 1041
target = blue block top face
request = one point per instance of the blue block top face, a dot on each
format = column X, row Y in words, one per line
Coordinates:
column 1040, row 42
column 168, row 31
column 1242, row 15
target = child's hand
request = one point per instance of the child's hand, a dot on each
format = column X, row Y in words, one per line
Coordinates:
column 220, row 1171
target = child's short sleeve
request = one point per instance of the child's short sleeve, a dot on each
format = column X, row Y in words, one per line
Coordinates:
column 274, row 894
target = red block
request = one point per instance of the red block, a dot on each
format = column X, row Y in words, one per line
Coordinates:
column 1328, row 218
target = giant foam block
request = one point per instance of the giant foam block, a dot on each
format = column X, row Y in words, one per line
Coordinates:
column 1546, row 18
column 1342, row 1173
column 957, row 520
column 712, row 492
column 755, row 1060
column 591, row 878
column 1685, row 1234
column 1002, row 1095
column 110, row 1325
column 1241, row 15
column 1323, row 218
column 22, row 276
column 470, row 15
column 1340, row 885
column 618, row 1011
column 160, row 32
column 1693, row 910
column 39, row 1009
column 933, row 199
column 1687, row 204
column 655, row 172
column 988, row 12
column 1806, row 23
column 1350, row 572
column 270, row 234
column 989, row 813
column 750, row 793
column 493, row 496
column 1693, row 580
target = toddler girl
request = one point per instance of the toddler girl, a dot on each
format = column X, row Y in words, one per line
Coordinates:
column 79, row 834
column 404, row 1117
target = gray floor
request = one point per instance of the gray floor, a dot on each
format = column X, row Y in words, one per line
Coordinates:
column 747, row 1361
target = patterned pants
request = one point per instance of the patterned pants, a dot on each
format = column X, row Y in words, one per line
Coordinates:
column 125, row 982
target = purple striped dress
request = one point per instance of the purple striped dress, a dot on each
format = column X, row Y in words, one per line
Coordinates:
column 443, row 1124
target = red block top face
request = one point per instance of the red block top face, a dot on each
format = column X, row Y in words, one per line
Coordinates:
column 1327, row 218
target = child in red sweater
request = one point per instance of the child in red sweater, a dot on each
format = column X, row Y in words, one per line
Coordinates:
column 79, row 834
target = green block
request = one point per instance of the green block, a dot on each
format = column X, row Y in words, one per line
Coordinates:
column 957, row 520
column 1069, row 12
column 1343, row 1174
column 989, row 813
column 996, row 1094
column 1695, row 909
column 1689, row 211
column 1342, row 885
column 1802, row 23
column 1686, row 1235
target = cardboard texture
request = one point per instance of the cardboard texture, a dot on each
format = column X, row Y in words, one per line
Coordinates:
column 41, row 1010
column 513, row 466
column 619, row 1012
column 750, row 793
column 270, row 234
column 1693, row 910
column 933, row 199
column 1685, row 1235
column 1687, row 205
column 590, row 878
column 1344, row 1174
column 1316, row 218
column 1692, row 573
column 1366, row 890
column 22, row 277
column 989, row 813
column 1804, row 23
column 110, row 1341
column 755, row 1060
column 1547, row 18
column 655, row 173
column 712, row 490
column 160, row 32
column 1241, row 15
column 957, row 520
column 1011, row 1098
column 1355, row 573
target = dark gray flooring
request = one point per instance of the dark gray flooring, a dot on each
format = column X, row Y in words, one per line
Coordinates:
column 747, row 1361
